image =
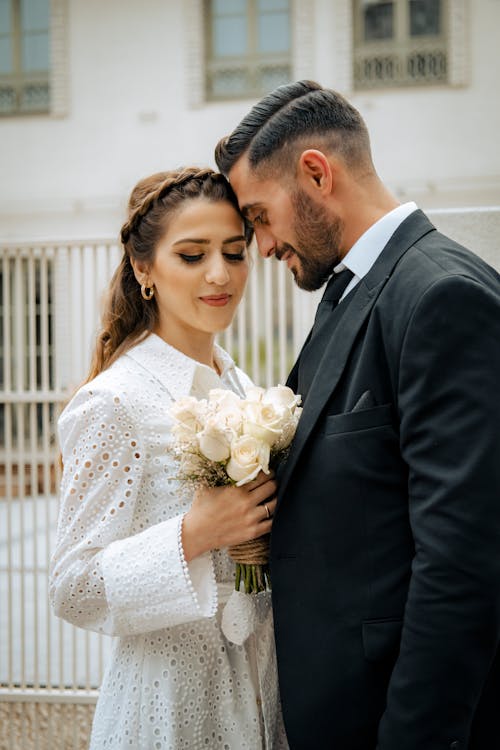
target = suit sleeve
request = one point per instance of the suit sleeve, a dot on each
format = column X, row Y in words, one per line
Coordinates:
column 449, row 418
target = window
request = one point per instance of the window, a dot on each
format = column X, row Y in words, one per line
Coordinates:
column 400, row 43
column 248, row 47
column 24, row 56
column 33, row 57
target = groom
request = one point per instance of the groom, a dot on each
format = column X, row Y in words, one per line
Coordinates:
column 385, row 548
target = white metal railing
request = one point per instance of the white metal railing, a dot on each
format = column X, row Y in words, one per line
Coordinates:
column 50, row 306
column 49, row 310
column 46, row 329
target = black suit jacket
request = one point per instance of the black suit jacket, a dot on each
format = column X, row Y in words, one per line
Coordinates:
column 385, row 550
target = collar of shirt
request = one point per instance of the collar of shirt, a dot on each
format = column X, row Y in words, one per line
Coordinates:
column 181, row 375
column 368, row 247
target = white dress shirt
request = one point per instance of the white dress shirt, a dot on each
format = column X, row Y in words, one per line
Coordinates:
column 368, row 247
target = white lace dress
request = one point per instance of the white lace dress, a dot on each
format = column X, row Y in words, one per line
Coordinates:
column 174, row 681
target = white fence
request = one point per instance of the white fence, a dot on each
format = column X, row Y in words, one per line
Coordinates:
column 50, row 304
column 49, row 309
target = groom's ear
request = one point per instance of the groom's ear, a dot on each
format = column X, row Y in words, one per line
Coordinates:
column 315, row 172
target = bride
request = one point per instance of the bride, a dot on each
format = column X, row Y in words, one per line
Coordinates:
column 137, row 556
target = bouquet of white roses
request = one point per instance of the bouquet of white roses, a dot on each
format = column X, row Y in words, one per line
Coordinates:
column 225, row 439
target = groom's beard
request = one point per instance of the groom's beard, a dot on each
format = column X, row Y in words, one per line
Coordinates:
column 318, row 238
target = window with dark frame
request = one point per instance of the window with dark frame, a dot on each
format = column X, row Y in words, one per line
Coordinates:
column 24, row 57
column 248, row 47
column 399, row 43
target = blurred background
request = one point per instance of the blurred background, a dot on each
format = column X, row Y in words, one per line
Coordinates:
column 94, row 95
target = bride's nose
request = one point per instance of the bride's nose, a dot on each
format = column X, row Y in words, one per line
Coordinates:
column 217, row 271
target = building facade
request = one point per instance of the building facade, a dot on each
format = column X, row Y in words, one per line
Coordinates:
column 130, row 88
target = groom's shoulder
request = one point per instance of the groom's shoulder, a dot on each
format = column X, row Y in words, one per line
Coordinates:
column 436, row 257
column 435, row 270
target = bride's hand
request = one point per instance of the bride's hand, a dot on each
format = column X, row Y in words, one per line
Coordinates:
column 223, row 516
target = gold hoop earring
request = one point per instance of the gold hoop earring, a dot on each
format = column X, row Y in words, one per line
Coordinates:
column 148, row 292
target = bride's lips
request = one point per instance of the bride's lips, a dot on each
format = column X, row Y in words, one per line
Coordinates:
column 216, row 300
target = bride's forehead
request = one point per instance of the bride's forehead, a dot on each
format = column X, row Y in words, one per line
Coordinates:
column 204, row 219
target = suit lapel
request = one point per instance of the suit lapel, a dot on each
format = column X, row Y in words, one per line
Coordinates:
column 339, row 347
column 293, row 377
column 329, row 371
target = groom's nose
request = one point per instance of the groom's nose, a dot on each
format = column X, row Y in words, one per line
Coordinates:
column 265, row 242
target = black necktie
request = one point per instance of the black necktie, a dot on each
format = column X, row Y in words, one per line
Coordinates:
column 335, row 288
column 324, row 324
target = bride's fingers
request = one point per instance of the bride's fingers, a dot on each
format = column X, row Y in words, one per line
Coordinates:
column 260, row 479
column 263, row 492
column 266, row 510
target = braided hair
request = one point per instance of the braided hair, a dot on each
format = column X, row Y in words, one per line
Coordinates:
column 127, row 317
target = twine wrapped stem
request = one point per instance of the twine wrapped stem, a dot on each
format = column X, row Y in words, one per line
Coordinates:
column 252, row 565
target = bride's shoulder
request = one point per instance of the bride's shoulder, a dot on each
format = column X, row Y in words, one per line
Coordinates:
column 112, row 389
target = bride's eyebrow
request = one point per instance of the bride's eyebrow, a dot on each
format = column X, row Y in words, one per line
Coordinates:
column 190, row 239
column 237, row 238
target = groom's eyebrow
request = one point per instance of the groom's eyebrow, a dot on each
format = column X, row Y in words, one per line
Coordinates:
column 245, row 210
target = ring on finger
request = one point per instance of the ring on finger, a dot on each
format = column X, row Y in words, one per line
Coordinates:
column 268, row 512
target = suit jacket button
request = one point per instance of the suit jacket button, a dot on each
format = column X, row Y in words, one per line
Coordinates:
column 455, row 745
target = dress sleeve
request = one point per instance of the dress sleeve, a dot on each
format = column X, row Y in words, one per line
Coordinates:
column 107, row 572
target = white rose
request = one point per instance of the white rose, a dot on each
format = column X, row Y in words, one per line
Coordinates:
column 214, row 441
column 224, row 399
column 248, row 457
column 254, row 393
column 225, row 406
column 288, row 427
column 230, row 419
column 280, row 396
column 263, row 422
column 189, row 411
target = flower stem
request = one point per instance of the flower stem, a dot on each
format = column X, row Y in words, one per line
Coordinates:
column 248, row 574
column 255, row 578
column 255, row 587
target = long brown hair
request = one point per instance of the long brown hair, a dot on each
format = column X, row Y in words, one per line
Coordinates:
column 127, row 317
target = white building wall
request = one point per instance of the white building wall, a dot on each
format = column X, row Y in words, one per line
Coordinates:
column 130, row 72
column 439, row 144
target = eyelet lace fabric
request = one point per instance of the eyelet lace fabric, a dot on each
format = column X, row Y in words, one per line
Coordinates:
column 174, row 681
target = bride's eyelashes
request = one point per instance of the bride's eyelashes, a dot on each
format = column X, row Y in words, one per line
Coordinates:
column 231, row 257
column 235, row 257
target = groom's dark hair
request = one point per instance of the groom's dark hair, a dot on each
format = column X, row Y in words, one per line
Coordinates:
column 300, row 114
